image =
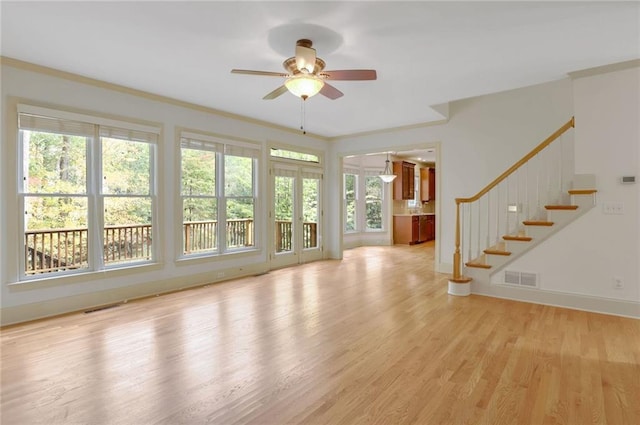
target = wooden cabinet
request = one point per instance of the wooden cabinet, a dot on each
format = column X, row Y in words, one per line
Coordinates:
column 430, row 227
column 427, row 184
column 406, row 229
column 423, row 235
column 413, row 229
column 404, row 184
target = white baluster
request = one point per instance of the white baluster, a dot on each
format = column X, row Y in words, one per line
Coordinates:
column 488, row 219
column 498, row 212
column 470, row 226
column 560, row 192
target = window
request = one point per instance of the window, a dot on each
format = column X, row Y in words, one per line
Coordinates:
column 300, row 156
column 69, row 222
column 350, row 192
column 199, row 196
column 218, row 190
column 415, row 202
column 364, row 200
column 373, row 202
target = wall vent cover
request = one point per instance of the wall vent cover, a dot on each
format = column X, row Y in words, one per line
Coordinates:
column 529, row 280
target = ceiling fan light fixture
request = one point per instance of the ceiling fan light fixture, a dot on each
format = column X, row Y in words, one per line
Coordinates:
column 304, row 85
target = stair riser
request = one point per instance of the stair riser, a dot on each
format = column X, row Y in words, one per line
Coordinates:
column 539, row 232
column 516, row 247
column 479, row 274
column 497, row 260
column 583, row 201
column 561, row 217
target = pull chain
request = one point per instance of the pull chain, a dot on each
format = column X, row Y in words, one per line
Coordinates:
column 303, row 115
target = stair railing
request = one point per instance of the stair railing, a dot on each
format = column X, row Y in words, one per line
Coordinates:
column 540, row 178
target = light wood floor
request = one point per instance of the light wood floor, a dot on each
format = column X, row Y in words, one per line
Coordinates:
column 371, row 339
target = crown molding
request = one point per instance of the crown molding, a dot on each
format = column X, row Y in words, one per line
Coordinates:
column 27, row 66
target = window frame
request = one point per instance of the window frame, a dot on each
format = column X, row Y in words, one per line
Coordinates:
column 373, row 175
column 225, row 147
column 93, row 188
column 356, row 193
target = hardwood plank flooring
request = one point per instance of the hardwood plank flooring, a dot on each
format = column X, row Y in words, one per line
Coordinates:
column 371, row 339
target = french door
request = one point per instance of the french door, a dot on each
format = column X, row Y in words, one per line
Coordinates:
column 296, row 214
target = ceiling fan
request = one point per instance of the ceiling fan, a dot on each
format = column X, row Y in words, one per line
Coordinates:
column 306, row 77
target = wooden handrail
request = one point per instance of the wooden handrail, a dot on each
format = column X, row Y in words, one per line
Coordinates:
column 514, row 167
column 457, row 272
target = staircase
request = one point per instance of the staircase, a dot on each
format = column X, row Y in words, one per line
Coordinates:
column 532, row 233
column 528, row 203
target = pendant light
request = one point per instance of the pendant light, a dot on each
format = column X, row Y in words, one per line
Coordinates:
column 387, row 175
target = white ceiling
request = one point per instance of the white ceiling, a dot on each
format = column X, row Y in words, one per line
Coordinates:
column 426, row 53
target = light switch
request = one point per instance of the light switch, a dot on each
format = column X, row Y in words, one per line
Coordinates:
column 616, row 208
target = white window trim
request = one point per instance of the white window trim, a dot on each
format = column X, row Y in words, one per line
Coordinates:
column 94, row 195
column 221, row 149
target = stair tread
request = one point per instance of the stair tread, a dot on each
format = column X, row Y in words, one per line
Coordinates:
column 477, row 265
column 582, row 191
column 496, row 252
column 517, row 238
column 561, row 207
column 537, row 223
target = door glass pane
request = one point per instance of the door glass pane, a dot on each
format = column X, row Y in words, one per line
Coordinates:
column 284, row 194
column 199, row 228
column 127, row 229
column 310, row 212
column 56, row 234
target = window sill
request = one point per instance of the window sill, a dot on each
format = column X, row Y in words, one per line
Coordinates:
column 207, row 258
column 83, row 277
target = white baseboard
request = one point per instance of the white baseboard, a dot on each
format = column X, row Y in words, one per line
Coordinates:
column 82, row 302
column 589, row 303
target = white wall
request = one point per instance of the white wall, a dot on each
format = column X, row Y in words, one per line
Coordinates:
column 584, row 257
column 68, row 293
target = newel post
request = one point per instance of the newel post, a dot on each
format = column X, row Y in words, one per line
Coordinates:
column 456, row 255
column 458, row 285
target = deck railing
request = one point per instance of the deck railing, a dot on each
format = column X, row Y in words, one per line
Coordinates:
column 51, row 250
column 284, row 235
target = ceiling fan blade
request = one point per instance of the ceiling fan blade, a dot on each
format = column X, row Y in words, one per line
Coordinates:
column 331, row 92
column 350, row 74
column 305, row 58
column 264, row 73
column 277, row 92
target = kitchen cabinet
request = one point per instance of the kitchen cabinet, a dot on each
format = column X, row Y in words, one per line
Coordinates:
column 413, row 229
column 427, row 184
column 404, row 184
column 423, row 235
column 406, row 229
column 430, row 227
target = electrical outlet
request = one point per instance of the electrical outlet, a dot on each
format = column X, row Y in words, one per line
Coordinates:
column 618, row 283
column 221, row 274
